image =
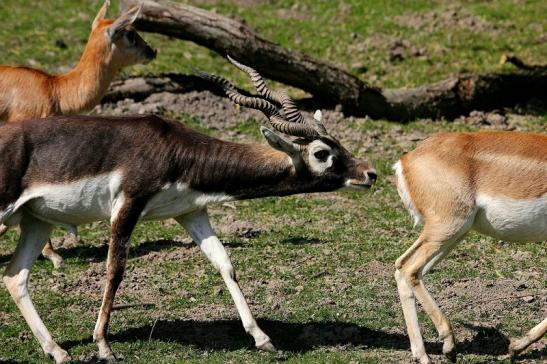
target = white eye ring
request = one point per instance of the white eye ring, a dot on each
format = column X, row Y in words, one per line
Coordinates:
column 321, row 154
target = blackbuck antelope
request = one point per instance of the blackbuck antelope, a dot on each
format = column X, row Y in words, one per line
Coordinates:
column 68, row 171
column 491, row 182
column 27, row 93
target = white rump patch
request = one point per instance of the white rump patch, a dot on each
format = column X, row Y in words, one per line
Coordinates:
column 402, row 189
column 512, row 219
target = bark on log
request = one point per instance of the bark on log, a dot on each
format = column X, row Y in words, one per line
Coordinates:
column 330, row 85
column 139, row 88
column 462, row 94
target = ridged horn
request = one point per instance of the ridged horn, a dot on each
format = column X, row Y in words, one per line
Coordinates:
column 294, row 129
column 257, row 103
column 290, row 111
column 276, row 119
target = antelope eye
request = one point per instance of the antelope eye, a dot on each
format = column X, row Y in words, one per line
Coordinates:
column 130, row 37
column 321, row 154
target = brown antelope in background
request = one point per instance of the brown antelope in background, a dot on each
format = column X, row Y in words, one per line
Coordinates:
column 491, row 182
column 27, row 93
column 71, row 170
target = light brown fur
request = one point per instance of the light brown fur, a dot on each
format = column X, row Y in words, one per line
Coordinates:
column 479, row 163
column 453, row 181
column 29, row 93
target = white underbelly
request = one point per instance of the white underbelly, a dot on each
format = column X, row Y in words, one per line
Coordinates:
column 512, row 220
column 87, row 200
column 178, row 199
column 101, row 198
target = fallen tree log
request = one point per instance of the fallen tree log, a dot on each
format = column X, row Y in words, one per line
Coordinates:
column 228, row 36
column 139, row 88
column 449, row 99
column 330, row 85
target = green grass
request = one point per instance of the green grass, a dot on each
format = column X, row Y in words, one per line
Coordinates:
column 319, row 273
column 344, row 33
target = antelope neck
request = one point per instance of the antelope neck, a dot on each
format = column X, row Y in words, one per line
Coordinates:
column 82, row 88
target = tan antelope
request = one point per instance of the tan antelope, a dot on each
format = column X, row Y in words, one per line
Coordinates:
column 492, row 182
column 27, row 93
column 71, row 170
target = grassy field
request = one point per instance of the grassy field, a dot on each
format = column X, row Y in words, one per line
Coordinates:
column 316, row 269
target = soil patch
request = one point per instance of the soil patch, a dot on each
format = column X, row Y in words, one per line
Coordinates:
column 454, row 17
column 140, row 282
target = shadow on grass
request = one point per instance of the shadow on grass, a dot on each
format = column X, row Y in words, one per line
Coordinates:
column 533, row 354
column 487, row 340
column 294, row 337
column 300, row 240
column 230, row 335
column 97, row 253
column 491, row 341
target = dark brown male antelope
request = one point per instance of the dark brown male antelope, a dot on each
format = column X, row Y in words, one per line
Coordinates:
column 72, row 170
column 27, row 93
column 491, row 182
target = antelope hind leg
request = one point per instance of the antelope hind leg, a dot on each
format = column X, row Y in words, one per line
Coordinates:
column 33, row 235
column 432, row 245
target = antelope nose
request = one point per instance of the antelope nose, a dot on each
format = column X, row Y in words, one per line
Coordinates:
column 150, row 53
column 372, row 176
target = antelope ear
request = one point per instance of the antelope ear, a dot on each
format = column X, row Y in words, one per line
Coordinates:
column 100, row 15
column 278, row 142
column 317, row 124
column 124, row 20
column 318, row 115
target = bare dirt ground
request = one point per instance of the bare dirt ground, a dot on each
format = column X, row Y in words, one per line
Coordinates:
column 452, row 17
column 219, row 114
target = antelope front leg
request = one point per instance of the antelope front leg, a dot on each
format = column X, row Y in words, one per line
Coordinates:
column 198, row 226
column 33, row 235
column 118, row 249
